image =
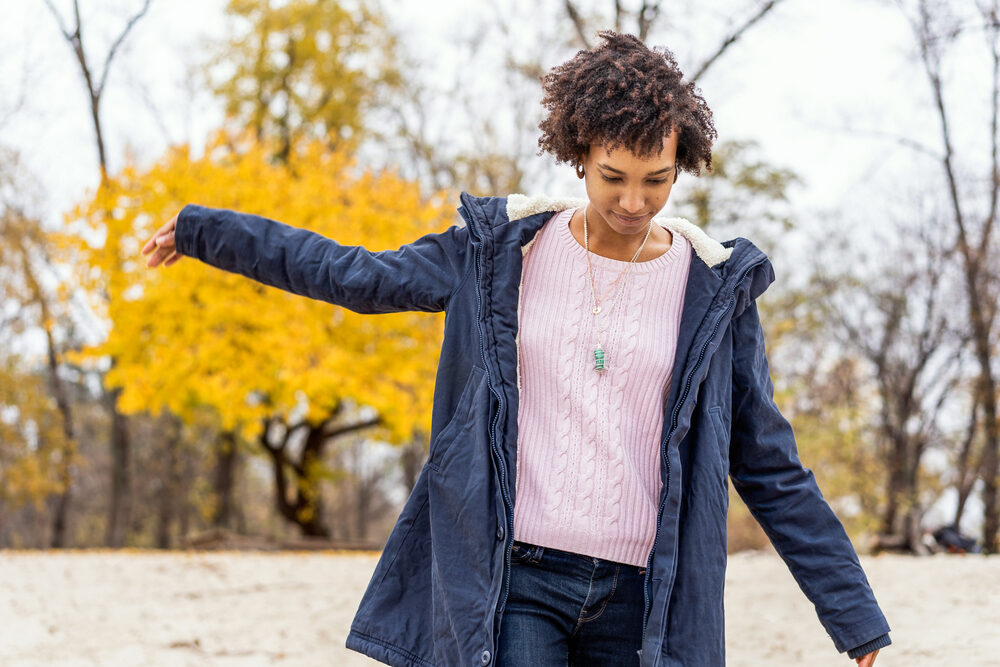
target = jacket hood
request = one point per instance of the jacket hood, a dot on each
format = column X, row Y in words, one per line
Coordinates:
column 726, row 258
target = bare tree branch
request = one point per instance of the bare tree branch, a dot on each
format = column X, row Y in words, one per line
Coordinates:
column 904, row 141
column 648, row 14
column 733, row 37
column 62, row 26
column 118, row 42
column 75, row 40
column 334, row 431
column 578, row 23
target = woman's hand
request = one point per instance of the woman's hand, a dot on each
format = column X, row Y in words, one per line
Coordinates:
column 163, row 243
column 867, row 660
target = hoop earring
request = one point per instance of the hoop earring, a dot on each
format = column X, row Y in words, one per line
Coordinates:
column 579, row 171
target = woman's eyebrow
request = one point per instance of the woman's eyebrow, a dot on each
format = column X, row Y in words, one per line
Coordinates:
column 665, row 170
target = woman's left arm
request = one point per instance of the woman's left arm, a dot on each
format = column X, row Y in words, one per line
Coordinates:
column 786, row 501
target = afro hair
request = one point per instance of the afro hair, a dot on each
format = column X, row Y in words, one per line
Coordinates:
column 624, row 94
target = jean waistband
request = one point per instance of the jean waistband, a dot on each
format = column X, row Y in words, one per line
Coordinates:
column 538, row 551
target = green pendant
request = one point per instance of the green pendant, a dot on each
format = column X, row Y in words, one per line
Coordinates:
column 599, row 359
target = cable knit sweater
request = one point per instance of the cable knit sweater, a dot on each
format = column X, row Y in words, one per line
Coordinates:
column 588, row 463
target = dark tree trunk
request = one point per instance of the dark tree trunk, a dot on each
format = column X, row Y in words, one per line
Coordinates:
column 61, row 512
column 303, row 505
column 170, row 486
column 120, row 507
column 412, row 460
column 227, row 458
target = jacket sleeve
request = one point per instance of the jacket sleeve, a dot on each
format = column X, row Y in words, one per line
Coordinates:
column 785, row 500
column 421, row 275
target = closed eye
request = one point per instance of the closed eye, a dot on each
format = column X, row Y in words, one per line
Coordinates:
column 617, row 179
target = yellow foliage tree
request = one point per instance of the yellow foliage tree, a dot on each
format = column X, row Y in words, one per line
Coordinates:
column 304, row 69
column 33, row 447
column 192, row 335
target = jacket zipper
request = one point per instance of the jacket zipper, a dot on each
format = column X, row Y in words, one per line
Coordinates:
column 647, row 592
column 497, row 455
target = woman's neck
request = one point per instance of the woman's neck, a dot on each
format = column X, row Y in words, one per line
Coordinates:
column 607, row 243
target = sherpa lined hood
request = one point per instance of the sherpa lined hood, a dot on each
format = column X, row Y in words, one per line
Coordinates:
column 708, row 249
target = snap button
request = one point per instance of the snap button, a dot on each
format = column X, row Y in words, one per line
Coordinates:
column 500, row 532
column 485, row 658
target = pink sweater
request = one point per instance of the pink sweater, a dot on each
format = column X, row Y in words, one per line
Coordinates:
column 588, row 462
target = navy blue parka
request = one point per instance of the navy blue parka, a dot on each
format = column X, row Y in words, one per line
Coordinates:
column 437, row 595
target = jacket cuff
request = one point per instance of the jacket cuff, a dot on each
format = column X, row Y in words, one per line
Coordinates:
column 868, row 647
column 184, row 237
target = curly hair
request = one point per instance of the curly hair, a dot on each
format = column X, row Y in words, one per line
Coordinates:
column 624, row 94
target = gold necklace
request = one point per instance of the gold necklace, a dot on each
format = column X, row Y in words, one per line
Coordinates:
column 600, row 356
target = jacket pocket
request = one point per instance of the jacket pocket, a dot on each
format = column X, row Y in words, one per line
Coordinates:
column 721, row 430
column 461, row 417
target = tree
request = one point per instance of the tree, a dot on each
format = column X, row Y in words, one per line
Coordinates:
column 194, row 336
column 120, row 507
column 303, row 70
column 937, row 28
column 891, row 316
column 25, row 256
column 33, row 449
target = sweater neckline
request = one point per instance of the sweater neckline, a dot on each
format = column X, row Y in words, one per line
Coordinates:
column 673, row 253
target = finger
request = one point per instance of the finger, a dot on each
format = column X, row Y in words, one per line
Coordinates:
column 173, row 259
column 150, row 245
column 157, row 258
column 164, row 245
column 167, row 228
column 165, row 240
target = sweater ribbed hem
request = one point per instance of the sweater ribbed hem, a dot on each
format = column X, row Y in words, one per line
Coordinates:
column 868, row 647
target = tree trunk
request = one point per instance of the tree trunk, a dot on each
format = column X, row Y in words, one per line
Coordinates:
column 120, row 508
column 168, row 495
column 227, row 458
column 61, row 513
column 412, row 459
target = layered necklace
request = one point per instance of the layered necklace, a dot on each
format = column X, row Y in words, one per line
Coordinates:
column 600, row 356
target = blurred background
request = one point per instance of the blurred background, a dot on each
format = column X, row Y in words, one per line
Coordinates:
column 858, row 147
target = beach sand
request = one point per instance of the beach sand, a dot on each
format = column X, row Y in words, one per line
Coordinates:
column 123, row 608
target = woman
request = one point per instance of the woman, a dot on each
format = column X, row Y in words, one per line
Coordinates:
column 601, row 374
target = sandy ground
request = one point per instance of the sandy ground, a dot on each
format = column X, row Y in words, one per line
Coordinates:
column 253, row 608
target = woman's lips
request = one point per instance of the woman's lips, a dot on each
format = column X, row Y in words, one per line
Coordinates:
column 628, row 220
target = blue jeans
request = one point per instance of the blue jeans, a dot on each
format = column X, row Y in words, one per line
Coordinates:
column 568, row 609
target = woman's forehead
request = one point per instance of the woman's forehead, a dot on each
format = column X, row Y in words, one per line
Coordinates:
column 622, row 157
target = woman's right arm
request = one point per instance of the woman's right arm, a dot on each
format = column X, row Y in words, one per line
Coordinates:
column 420, row 275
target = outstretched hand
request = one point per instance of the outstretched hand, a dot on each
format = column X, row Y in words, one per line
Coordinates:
column 162, row 243
column 867, row 660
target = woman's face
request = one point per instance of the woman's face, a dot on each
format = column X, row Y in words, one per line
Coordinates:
column 627, row 191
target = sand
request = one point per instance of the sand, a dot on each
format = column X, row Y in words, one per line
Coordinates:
column 255, row 608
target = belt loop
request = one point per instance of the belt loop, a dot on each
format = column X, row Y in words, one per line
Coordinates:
column 537, row 552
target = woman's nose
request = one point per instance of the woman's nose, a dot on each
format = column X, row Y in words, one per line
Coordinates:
column 631, row 202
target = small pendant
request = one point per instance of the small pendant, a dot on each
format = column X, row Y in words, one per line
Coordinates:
column 597, row 310
column 599, row 359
